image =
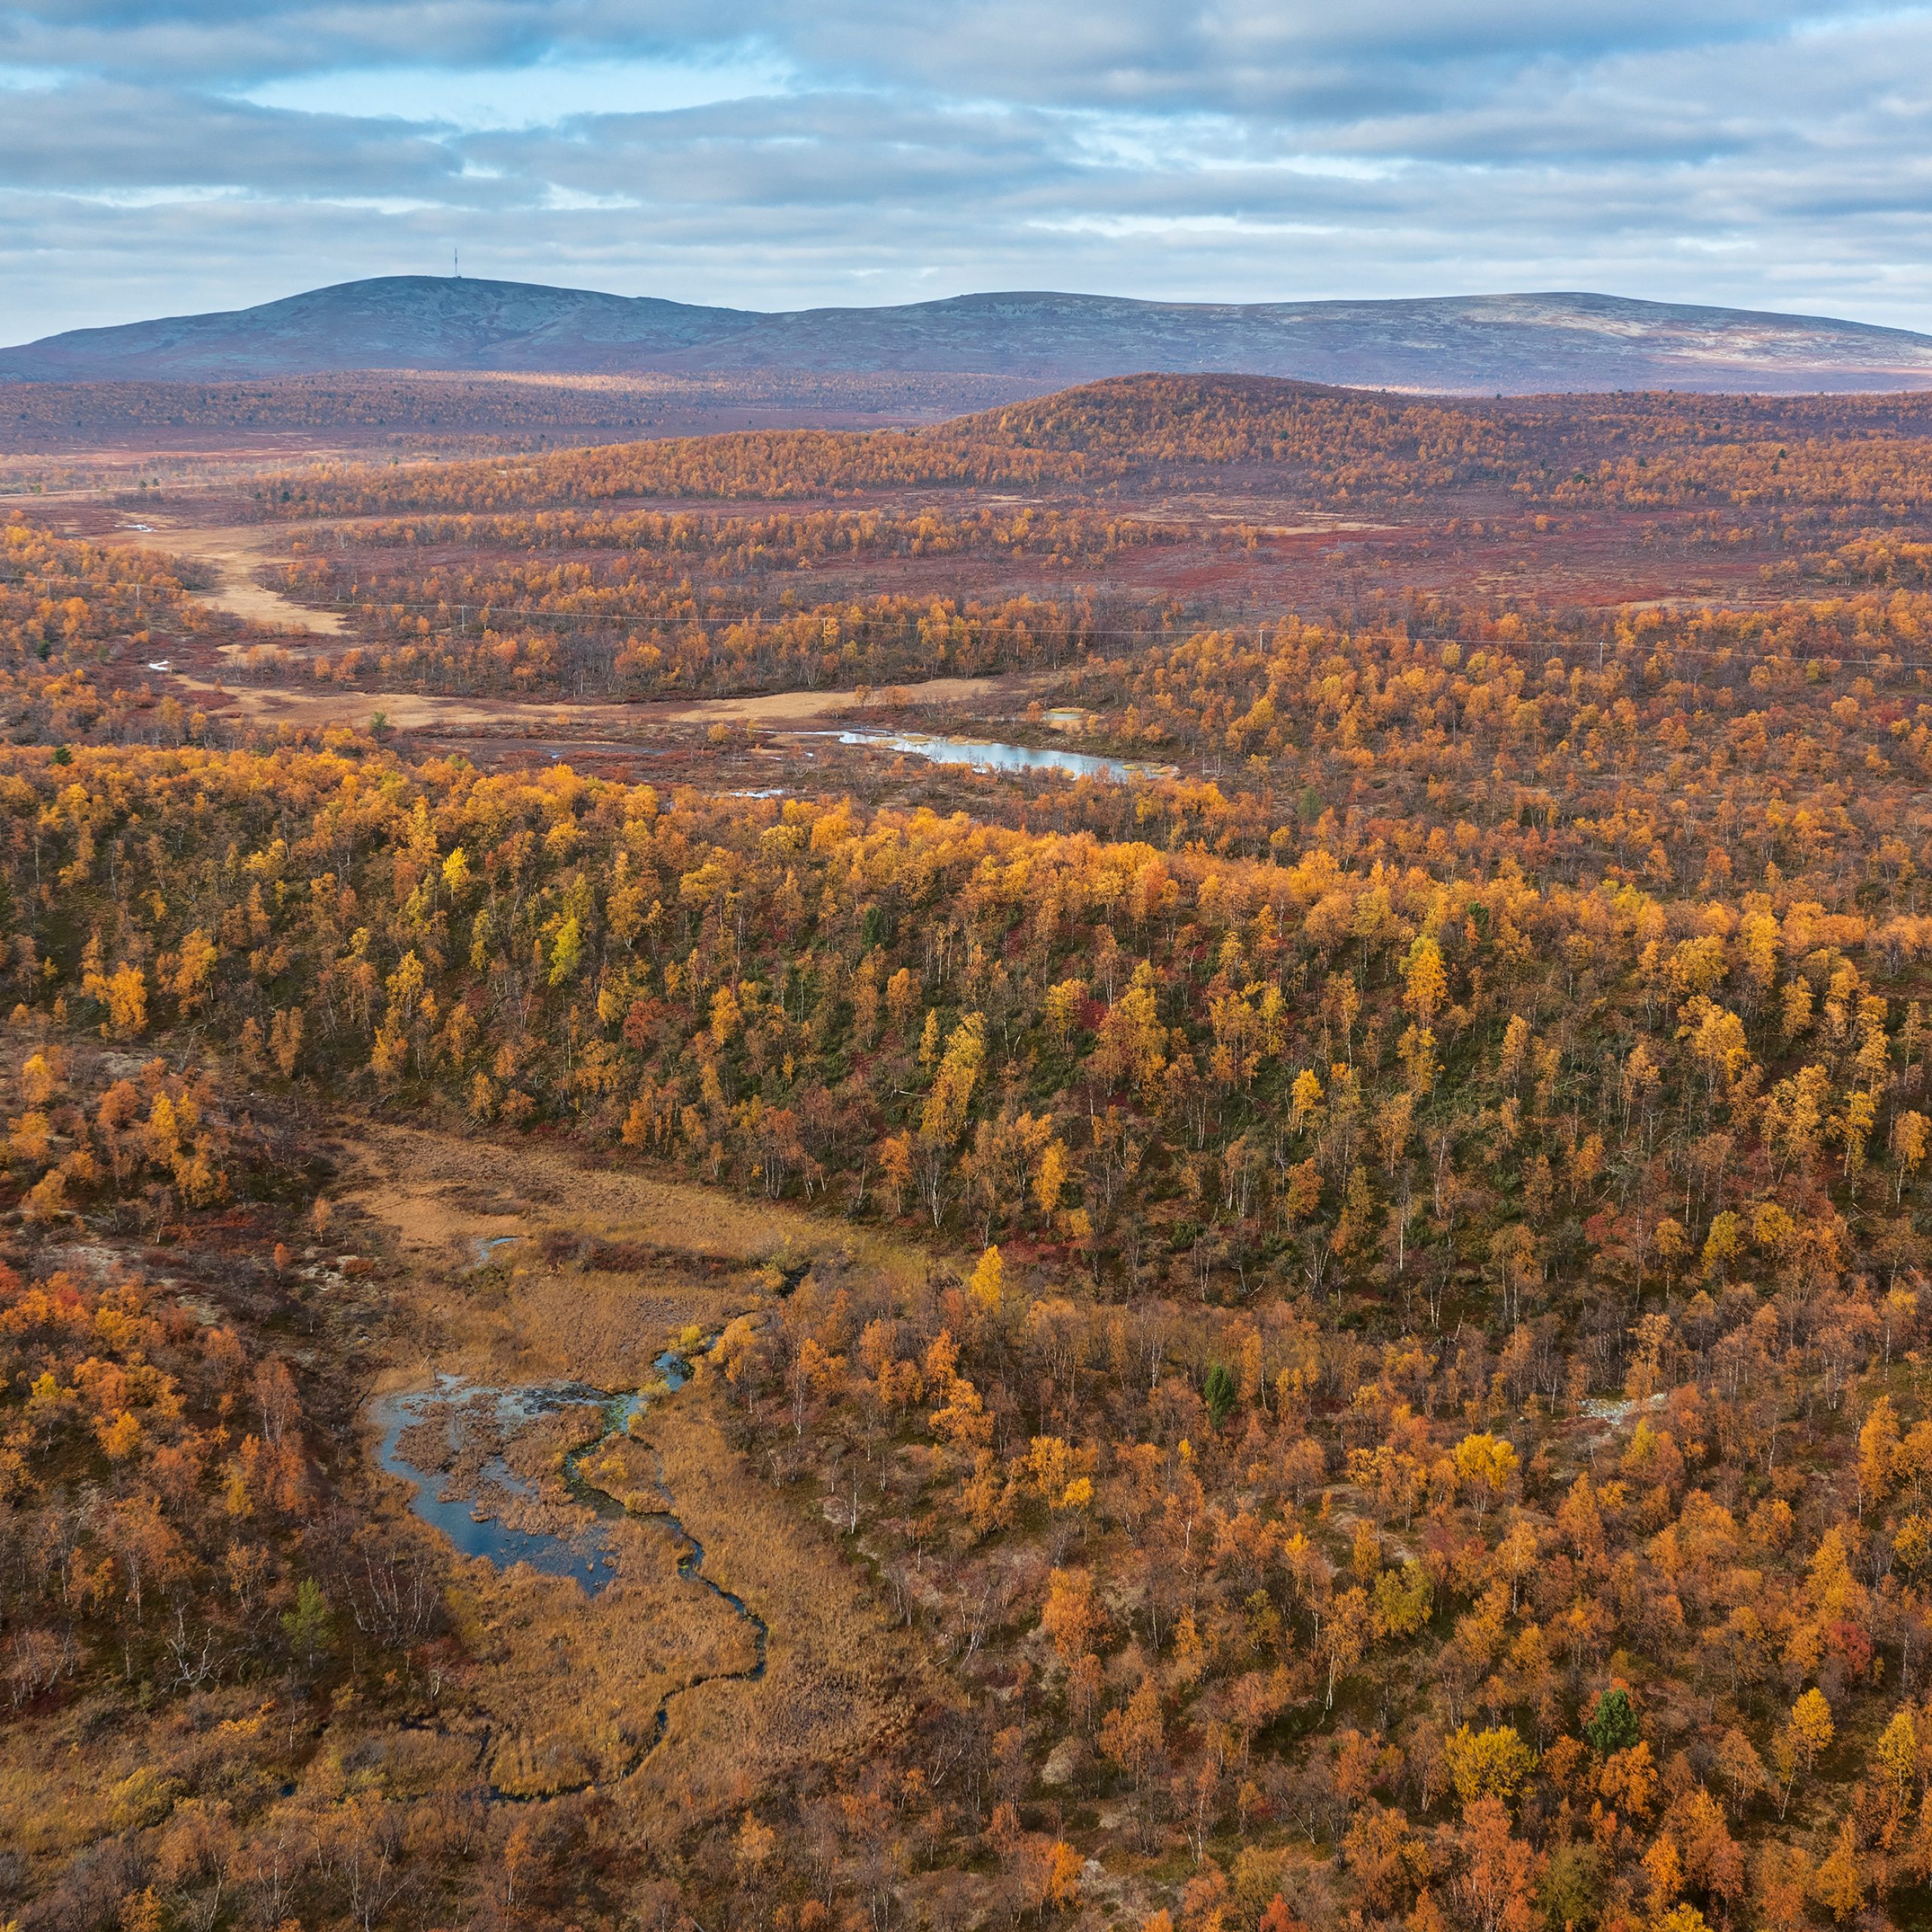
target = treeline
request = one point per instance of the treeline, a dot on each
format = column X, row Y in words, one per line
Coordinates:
column 775, row 464
column 1842, row 455
column 638, row 644
column 1823, row 458
column 747, row 546
column 418, row 403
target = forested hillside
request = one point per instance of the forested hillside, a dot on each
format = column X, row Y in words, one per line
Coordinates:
column 1338, row 1339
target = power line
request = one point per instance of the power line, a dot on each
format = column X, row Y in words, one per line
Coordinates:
column 1152, row 633
column 1734, row 654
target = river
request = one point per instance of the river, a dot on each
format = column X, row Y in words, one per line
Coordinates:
column 987, row 755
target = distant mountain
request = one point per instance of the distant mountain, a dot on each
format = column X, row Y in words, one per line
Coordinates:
column 1467, row 344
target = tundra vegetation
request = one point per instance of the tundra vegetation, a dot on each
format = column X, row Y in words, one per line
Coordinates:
column 1337, row 1340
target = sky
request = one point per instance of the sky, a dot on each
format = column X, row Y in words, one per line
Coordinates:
column 167, row 156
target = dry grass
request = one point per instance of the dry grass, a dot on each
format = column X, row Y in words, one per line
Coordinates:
column 315, row 708
column 236, row 553
column 66, row 1780
column 571, row 1685
column 542, row 1324
column 838, row 1675
column 563, row 1690
column 442, row 1193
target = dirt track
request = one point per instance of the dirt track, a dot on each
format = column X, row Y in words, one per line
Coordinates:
column 236, row 552
column 307, row 706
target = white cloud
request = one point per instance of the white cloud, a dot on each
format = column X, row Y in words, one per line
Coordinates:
column 166, row 155
column 1172, row 227
column 540, row 94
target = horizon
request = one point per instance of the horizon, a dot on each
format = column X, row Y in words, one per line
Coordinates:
column 967, row 295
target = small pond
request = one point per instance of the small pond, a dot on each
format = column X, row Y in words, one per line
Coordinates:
column 470, row 1520
column 986, row 756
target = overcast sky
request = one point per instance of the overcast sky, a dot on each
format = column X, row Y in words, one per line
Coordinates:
column 165, row 156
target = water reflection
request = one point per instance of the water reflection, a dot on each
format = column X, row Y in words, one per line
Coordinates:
column 470, row 1521
column 988, row 756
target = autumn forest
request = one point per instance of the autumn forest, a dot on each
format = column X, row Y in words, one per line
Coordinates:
column 1157, row 1160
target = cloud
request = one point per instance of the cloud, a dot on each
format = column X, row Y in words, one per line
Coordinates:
column 541, row 94
column 160, row 155
column 155, row 139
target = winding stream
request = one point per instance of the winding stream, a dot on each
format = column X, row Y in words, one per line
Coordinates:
column 585, row 1555
column 691, row 1567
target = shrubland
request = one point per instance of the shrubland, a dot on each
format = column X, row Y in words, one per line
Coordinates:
column 1833, row 457
column 1414, row 1411
column 654, row 605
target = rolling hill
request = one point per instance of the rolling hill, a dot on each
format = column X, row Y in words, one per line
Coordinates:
column 1520, row 343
